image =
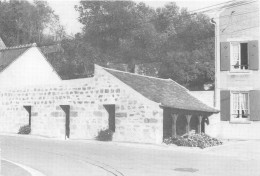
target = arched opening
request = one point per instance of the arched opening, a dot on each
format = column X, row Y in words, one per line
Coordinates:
column 181, row 124
column 194, row 123
column 167, row 123
column 204, row 121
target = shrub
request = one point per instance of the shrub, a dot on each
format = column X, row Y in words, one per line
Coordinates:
column 105, row 135
column 26, row 129
column 193, row 140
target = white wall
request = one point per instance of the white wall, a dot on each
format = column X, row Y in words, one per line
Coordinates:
column 31, row 68
column 242, row 25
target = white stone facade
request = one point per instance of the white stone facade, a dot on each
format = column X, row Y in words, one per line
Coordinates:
column 137, row 119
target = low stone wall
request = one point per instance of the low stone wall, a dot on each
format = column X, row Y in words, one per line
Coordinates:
column 137, row 119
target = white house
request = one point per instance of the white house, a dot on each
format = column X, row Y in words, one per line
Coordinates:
column 237, row 83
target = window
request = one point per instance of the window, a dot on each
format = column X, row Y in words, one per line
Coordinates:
column 239, row 106
column 239, row 56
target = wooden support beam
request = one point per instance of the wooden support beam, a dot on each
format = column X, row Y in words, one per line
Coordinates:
column 199, row 125
column 188, row 117
column 174, row 120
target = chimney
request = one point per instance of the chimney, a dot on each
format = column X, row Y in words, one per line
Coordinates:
column 2, row 44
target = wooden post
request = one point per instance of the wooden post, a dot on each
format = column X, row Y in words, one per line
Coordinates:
column 188, row 117
column 174, row 120
column 199, row 125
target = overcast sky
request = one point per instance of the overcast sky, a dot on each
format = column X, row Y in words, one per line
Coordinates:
column 68, row 15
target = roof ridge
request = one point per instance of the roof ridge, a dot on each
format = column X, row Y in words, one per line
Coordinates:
column 19, row 46
column 178, row 84
column 136, row 74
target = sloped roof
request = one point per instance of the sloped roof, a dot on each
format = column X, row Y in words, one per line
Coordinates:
column 165, row 91
column 8, row 55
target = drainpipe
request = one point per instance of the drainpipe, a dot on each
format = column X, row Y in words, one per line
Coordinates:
column 216, row 68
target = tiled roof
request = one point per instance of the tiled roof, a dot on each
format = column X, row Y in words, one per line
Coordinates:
column 8, row 55
column 165, row 91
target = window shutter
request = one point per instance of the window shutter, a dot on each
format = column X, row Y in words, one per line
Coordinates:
column 225, row 105
column 253, row 55
column 254, row 105
column 224, row 56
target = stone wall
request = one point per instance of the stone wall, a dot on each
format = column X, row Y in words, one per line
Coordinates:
column 137, row 119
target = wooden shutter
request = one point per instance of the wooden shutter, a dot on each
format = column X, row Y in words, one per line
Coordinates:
column 225, row 105
column 253, row 55
column 254, row 105
column 224, row 56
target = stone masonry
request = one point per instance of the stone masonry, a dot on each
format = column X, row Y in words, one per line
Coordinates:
column 137, row 119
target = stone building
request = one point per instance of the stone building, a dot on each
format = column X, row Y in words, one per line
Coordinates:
column 237, row 84
column 137, row 108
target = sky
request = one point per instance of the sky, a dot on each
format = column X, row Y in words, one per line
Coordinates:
column 69, row 16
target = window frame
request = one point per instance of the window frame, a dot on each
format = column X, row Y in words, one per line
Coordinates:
column 240, row 118
column 232, row 69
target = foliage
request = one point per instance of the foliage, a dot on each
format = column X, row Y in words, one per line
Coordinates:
column 193, row 140
column 26, row 129
column 133, row 33
column 122, row 32
column 22, row 22
column 105, row 135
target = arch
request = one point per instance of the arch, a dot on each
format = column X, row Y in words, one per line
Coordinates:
column 194, row 123
column 181, row 124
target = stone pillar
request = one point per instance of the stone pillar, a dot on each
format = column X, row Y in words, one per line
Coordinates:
column 188, row 117
column 199, row 125
column 174, row 120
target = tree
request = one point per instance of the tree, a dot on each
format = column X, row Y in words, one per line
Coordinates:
column 133, row 33
column 22, row 22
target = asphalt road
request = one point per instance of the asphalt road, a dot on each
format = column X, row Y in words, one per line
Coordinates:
column 78, row 158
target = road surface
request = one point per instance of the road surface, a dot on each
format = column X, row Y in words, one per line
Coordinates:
column 89, row 158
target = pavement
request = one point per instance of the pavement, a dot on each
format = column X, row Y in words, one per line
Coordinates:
column 54, row 157
column 11, row 169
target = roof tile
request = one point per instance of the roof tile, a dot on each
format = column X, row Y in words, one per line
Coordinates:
column 164, row 91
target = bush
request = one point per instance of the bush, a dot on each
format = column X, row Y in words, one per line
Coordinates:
column 26, row 129
column 193, row 140
column 105, row 135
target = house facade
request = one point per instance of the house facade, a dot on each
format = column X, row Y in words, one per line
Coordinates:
column 237, row 83
column 136, row 108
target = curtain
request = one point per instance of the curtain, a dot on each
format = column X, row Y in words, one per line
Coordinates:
column 235, row 103
column 235, row 53
column 243, row 104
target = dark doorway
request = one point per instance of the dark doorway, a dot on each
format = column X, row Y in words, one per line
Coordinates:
column 111, row 109
column 181, row 125
column 29, row 110
column 167, row 123
column 66, row 109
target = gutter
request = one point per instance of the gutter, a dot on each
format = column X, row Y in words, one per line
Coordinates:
column 216, row 78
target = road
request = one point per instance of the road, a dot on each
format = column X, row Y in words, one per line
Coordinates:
column 78, row 158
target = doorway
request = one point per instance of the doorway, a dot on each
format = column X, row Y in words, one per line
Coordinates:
column 66, row 109
column 29, row 110
column 111, row 110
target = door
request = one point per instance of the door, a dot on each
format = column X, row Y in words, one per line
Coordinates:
column 66, row 109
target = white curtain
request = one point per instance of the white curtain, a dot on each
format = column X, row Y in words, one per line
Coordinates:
column 235, row 55
column 235, row 103
column 243, row 103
